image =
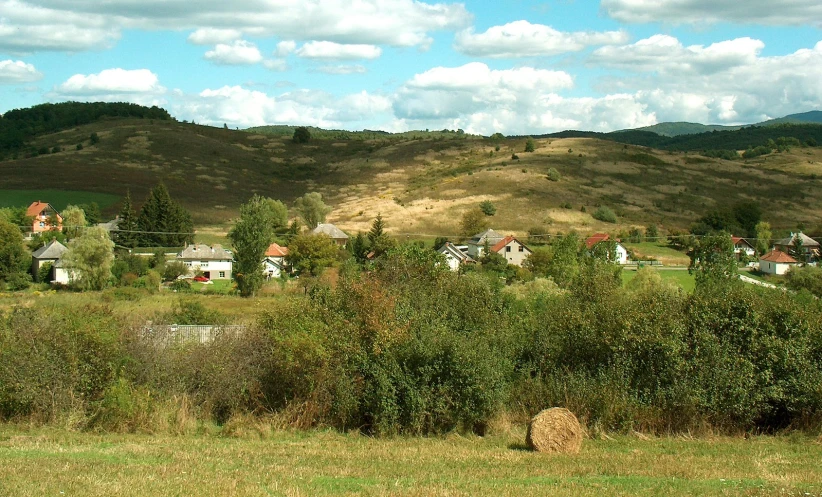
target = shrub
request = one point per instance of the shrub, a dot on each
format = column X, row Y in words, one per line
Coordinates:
column 605, row 215
column 529, row 145
column 488, row 208
column 18, row 281
column 553, row 174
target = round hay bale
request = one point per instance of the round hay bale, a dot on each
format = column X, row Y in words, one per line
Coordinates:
column 554, row 430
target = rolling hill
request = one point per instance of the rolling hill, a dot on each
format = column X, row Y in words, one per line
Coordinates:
column 684, row 128
column 420, row 183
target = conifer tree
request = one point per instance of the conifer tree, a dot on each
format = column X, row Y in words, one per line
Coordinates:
column 163, row 221
column 125, row 235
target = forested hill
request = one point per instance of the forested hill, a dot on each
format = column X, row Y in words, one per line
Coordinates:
column 740, row 139
column 19, row 126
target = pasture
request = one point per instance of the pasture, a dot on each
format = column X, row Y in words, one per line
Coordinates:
column 244, row 459
column 58, row 198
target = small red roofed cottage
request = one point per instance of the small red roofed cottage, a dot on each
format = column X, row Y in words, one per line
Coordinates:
column 514, row 251
column 44, row 217
column 776, row 262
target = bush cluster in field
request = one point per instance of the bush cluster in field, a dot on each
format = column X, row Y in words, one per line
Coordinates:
column 410, row 347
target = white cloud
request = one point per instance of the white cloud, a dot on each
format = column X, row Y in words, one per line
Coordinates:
column 727, row 82
column 523, row 39
column 139, row 86
column 278, row 65
column 16, row 72
column 343, row 69
column 476, row 75
column 32, row 25
column 665, row 54
column 26, row 28
column 240, row 52
column 336, row 51
column 213, row 36
column 285, row 48
column 242, row 107
column 766, row 12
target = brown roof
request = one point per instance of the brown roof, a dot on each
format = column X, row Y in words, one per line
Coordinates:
column 275, row 250
column 596, row 238
column 37, row 207
column 779, row 257
column 737, row 239
column 505, row 241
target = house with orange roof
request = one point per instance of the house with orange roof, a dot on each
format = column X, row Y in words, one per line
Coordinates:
column 621, row 251
column 43, row 217
column 514, row 251
column 776, row 262
column 274, row 264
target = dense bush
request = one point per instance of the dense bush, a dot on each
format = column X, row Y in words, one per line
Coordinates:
column 410, row 347
column 605, row 214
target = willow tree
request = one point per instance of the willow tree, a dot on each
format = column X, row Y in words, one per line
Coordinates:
column 89, row 258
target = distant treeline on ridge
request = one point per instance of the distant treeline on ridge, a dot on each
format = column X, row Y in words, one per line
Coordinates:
column 18, row 126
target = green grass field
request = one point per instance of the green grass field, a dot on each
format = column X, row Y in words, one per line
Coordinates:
column 58, row 198
column 661, row 252
column 262, row 462
column 678, row 276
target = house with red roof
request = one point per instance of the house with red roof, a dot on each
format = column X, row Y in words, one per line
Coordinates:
column 776, row 262
column 43, row 217
column 274, row 264
column 621, row 252
column 743, row 247
column 514, row 251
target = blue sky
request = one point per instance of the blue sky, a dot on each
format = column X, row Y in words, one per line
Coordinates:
column 515, row 67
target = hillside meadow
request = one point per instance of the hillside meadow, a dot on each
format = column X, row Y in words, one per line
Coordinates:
column 420, row 183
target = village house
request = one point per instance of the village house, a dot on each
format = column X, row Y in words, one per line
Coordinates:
column 49, row 253
column 476, row 245
column 336, row 234
column 274, row 265
column 621, row 251
column 742, row 247
column 514, row 251
column 44, row 217
column 809, row 245
column 454, row 257
column 215, row 263
column 776, row 262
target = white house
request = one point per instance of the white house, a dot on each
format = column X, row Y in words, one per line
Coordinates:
column 336, row 234
column 621, row 251
column 214, row 262
column 514, row 251
column 776, row 262
column 476, row 246
column 60, row 274
column 274, row 264
column 49, row 253
column 454, row 257
column 742, row 247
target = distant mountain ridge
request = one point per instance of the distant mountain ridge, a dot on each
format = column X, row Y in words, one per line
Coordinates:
column 672, row 129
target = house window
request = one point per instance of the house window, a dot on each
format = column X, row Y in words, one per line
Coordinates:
column 42, row 224
column 508, row 248
column 204, row 264
column 222, row 274
column 521, row 248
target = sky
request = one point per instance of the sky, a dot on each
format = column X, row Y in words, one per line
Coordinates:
column 515, row 67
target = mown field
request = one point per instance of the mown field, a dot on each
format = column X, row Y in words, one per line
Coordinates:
column 422, row 184
column 257, row 461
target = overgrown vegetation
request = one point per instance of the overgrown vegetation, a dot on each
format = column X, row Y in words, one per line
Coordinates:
column 410, row 347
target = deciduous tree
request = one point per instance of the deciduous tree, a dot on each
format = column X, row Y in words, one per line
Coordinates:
column 310, row 253
column 312, row 209
column 14, row 259
column 89, row 258
column 253, row 232
column 74, row 221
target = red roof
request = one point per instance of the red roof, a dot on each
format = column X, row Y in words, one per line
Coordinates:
column 275, row 250
column 505, row 241
column 779, row 257
column 737, row 239
column 596, row 238
column 36, row 208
